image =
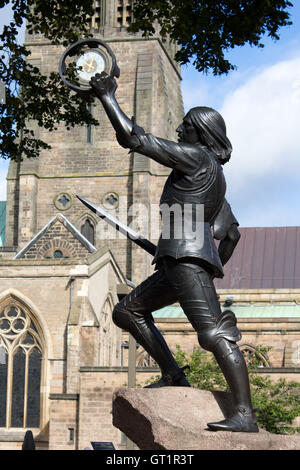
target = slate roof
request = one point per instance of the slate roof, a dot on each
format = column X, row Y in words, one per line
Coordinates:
column 265, row 258
column 241, row 311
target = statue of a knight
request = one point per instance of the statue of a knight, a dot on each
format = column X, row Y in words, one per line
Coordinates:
column 185, row 265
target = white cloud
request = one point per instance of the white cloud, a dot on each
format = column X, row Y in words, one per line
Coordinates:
column 195, row 91
column 208, row 90
column 262, row 118
column 261, row 108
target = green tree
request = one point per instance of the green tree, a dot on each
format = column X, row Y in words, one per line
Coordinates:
column 29, row 94
column 278, row 401
column 207, row 29
column 203, row 29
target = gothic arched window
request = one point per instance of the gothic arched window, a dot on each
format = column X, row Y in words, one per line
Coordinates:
column 145, row 360
column 21, row 356
column 254, row 357
column 88, row 231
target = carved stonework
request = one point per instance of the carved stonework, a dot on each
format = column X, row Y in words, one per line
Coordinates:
column 63, row 201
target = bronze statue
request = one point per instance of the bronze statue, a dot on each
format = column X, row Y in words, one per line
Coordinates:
column 185, row 266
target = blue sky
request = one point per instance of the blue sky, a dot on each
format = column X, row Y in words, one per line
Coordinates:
column 260, row 102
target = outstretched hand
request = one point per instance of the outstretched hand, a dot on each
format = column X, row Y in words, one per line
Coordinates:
column 103, row 84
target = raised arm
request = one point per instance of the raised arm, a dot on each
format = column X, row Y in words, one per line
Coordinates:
column 104, row 88
column 185, row 157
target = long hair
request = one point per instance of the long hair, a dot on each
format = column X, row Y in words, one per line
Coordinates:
column 212, row 131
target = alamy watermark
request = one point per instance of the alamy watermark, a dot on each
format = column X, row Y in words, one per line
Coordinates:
column 170, row 222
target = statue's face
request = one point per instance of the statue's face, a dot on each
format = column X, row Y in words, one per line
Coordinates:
column 187, row 132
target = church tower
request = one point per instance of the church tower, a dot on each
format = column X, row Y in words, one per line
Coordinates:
column 89, row 161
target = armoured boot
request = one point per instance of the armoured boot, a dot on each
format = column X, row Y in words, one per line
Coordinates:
column 177, row 380
column 233, row 366
column 143, row 329
column 242, row 421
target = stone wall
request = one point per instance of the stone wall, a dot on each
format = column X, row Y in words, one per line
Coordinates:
column 63, row 425
column 95, row 418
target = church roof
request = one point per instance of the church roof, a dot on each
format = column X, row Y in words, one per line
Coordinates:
column 2, row 222
column 30, row 248
column 240, row 311
column 265, row 258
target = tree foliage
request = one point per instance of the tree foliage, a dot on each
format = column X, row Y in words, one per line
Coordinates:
column 278, row 401
column 29, row 93
column 204, row 29
column 207, row 29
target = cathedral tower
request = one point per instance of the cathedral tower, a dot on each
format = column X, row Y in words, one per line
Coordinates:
column 89, row 161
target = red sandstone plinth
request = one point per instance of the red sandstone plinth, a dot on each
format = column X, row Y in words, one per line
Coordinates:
column 175, row 418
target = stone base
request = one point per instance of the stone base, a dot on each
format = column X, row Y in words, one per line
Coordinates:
column 175, row 418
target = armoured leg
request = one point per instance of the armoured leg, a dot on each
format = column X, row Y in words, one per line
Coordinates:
column 221, row 340
column 232, row 364
column 133, row 314
column 218, row 333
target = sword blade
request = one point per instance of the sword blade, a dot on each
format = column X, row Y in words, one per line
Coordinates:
column 119, row 226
